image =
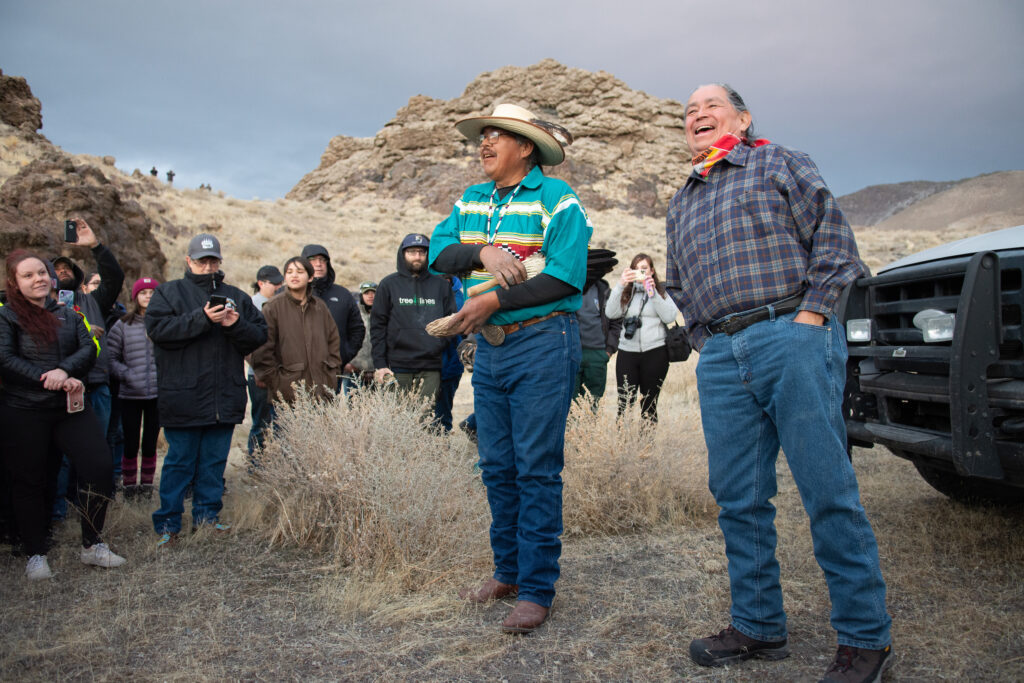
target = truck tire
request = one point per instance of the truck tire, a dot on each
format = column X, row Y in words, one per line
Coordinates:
column 970, row 490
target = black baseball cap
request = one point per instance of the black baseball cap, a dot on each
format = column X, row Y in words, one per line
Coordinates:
column 270, row 274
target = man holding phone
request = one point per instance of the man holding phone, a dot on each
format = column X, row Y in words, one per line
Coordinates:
column 201, row 329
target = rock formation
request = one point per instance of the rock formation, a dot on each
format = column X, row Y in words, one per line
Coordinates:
column 18, row 107
column 44, row 186
column 35, row 202
column 630, row 151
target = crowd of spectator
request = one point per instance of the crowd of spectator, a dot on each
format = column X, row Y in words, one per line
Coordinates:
column 759, row 310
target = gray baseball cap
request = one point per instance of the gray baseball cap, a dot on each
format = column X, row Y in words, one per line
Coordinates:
column 203, row 245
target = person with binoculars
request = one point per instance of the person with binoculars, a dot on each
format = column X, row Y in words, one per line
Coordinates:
column 642, row 362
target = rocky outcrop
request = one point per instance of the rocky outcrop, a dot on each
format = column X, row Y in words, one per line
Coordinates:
column 18, row 107
column 35, row 202
column 630, row 151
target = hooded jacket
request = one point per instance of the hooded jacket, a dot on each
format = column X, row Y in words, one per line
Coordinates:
column 341, row 304
column 302, row 345
column 404, row 304
column 23, row 360
column 96, row 305
column 200, row 372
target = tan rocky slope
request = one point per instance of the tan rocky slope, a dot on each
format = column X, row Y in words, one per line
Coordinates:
column 629, row 152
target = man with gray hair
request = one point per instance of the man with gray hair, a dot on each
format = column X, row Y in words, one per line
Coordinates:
column 202, row 329
column 758, row 254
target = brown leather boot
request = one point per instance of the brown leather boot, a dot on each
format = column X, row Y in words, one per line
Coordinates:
column 491, row 589
column 525, row 617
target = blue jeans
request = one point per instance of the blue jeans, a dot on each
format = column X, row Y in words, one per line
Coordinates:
column 522, row 392
column 775, row 383
column 198, row 453
column 260, row 411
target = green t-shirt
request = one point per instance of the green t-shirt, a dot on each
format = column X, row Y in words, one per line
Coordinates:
column 545, row 215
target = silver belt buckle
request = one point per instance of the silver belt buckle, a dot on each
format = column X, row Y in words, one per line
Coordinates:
column 494, row 335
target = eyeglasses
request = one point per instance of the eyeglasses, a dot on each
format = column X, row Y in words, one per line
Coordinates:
column 493, row 136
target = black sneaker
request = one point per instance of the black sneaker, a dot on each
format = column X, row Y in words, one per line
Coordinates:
column 732, row 646
column 855, row 664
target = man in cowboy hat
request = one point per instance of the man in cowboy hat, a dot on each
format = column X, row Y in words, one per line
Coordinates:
column 529, row 350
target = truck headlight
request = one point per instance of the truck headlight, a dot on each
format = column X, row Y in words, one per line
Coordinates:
column 858, row 330
column 935, row 326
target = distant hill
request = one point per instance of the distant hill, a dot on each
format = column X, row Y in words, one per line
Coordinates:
column 986, row 202
column 875, row 203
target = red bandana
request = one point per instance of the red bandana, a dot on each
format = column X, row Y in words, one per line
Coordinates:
column 703, row 162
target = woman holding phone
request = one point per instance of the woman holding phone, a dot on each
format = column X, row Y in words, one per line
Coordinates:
column 303, row 343
column 642, row 361
column 45, row 350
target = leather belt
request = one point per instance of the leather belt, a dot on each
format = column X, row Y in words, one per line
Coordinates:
column 495, row 334
column 731, row 324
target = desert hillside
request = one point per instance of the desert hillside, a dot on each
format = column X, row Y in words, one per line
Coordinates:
column 367, row 193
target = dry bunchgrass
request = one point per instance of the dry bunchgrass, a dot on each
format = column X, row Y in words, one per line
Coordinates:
column 623, row 475
column 367, row 483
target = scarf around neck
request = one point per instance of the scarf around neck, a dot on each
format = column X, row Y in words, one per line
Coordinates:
column 703, row 162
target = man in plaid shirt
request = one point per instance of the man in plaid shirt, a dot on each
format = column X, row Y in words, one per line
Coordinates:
column 758, row 254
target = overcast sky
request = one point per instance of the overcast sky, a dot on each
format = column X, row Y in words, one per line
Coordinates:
column 245, row 95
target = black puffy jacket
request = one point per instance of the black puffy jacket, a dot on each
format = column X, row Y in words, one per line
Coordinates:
column 200, row 372
column 23, row 361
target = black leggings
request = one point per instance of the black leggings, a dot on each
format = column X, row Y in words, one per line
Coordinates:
column 644, row 371
column 139, row 415
column 30, row 461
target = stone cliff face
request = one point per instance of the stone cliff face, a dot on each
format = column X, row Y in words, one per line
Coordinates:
column 630, row 151
column 35, row 203
column 45, row 186
column 18, row 107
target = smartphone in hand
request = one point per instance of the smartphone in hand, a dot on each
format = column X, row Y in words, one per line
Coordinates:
column 218, row 300
column 66, row 297
column 70, row 231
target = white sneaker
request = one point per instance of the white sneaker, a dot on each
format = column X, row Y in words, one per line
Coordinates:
column 101, row 556
column 38, row 568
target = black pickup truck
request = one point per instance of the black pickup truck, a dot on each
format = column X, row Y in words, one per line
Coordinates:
column 936, row 366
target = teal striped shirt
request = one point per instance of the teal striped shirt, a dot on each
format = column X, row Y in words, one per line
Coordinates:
column 545, row 216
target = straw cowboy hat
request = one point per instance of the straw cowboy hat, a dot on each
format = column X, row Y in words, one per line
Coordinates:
column 549, row 138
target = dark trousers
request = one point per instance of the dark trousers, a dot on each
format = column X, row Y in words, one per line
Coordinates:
column 445, row 401
column 260, row 411
column 139, row 415
column 593, row 374
column 644, row 372
column 30, row 461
